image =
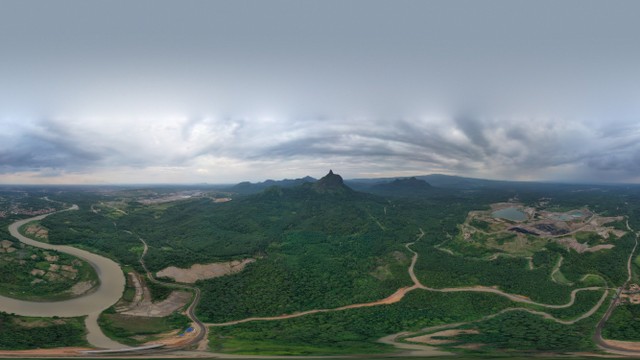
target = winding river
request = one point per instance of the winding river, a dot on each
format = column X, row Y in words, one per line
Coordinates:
column 112, row 283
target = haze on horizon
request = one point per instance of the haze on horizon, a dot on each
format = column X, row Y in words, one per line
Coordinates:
column 225, row 91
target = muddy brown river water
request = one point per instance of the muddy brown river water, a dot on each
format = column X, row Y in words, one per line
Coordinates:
column 112, row 283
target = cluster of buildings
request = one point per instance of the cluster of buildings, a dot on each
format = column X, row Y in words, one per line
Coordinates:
column 631, row 295
column 17, row 210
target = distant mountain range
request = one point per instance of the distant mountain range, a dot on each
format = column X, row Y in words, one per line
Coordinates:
column 435, row 180
column 387, row 186
column 400, row 186
column 246, row 187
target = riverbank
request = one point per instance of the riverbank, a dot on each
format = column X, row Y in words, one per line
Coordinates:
column 112, row 283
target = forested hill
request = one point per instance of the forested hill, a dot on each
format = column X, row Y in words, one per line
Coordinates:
column 323, row 245
column 407, row 187
column 246, row 187
column 329, row 184
column 319, row 244
column 202, row 231
column 330, row 189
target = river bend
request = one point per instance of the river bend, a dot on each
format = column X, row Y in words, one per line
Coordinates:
column 109, row 291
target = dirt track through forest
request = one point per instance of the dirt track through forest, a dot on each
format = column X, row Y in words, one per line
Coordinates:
column 415, row 349
column 400, row 293
column 200, row 328
column 618, row 347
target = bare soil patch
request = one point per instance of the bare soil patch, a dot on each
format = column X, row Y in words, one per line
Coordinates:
column 175, row 338
column 142, row 305
column 82, row 287
column 430, row 339
column 412, row 349
column 31, row 324
column 472, row 346
column 37, row 231
column 204, row 271
column 57, row 352
column 523, row 238
column 571, row 243
column 627, row 345
column 175, row 301
column 399, row 256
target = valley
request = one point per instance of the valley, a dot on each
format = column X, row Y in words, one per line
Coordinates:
column 318, row 268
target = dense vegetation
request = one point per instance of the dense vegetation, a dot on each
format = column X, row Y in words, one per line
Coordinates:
column 306, row 271
column 135, row 330
column 439, row 269
column 158, row 291
column 95, row 232
column 19, row 282
column 585, row 301
column 31, row 273
column 316, row 249
column 320, row 247
column 521, row 332
column 624, row 324
column 610, row 264
column 18, row 333
column 353, row 331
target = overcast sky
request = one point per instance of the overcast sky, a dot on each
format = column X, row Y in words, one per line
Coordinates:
column 225, row 91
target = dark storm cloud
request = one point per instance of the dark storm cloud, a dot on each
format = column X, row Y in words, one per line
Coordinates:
column 501, row 146
column 627, row 160
column 394, row 141
column 473, row 129
column 44, row 146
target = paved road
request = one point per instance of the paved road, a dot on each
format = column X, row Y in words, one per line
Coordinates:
column 597, row 336
column 202, row 328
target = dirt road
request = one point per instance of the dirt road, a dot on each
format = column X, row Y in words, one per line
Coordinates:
column 201, row 329
column 393, row 298
column 400, row 293
column 618, row 347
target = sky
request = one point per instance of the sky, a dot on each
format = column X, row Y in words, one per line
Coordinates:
column 109, row 92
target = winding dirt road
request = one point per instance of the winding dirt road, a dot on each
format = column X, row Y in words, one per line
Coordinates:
column 415, row 349
column 202, row 330
column 513, row 297
column 400, row 293
column 627, row 348
column 618, row 347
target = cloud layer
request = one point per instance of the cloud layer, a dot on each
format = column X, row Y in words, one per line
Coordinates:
column 192, row 91
column 228, row 150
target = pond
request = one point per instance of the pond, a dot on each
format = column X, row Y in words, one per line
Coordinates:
column 510, row 213
column 568, row 216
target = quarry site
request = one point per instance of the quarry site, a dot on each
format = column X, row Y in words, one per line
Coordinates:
column 518, row 229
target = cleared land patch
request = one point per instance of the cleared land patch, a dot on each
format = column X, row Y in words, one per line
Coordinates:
column 141, row 304
column 34, row 274
column 204, row 271
column 36, row 231
column 513, row 228
column 441, row 337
